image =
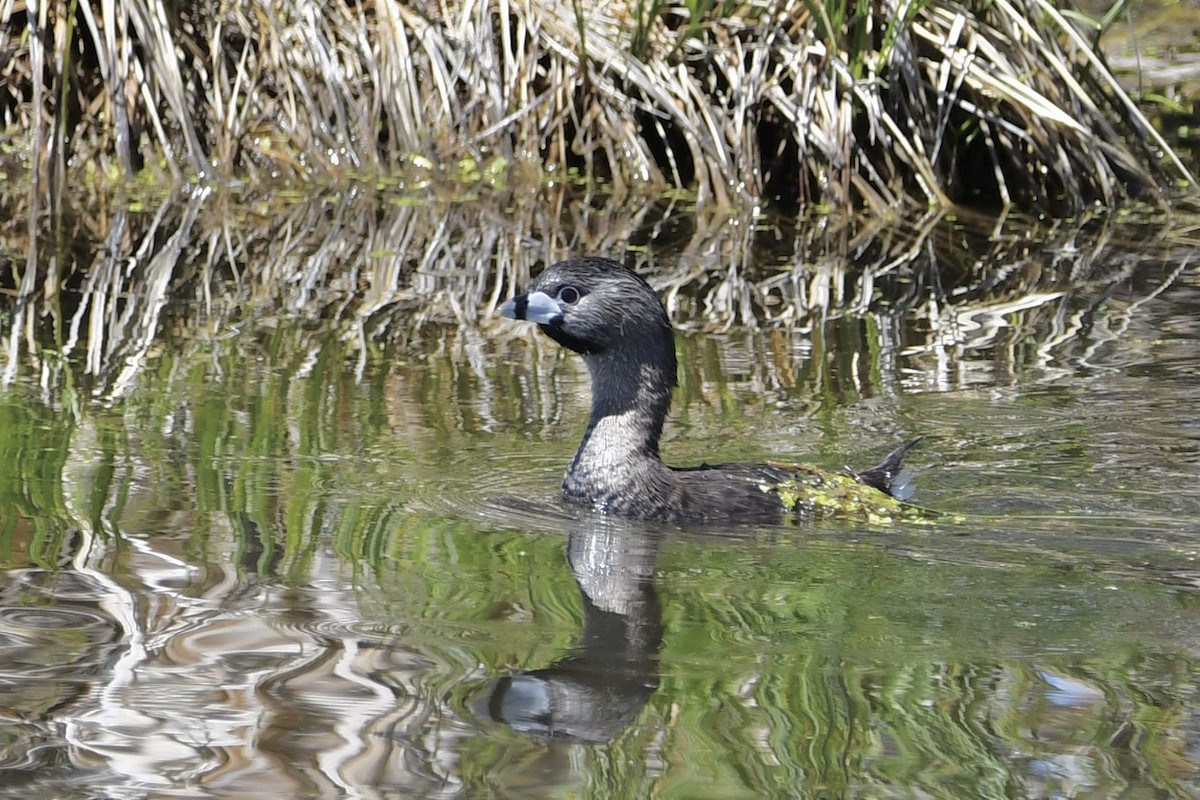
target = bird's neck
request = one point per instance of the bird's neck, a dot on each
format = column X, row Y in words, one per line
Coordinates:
column 618, row 457
column 629, row 405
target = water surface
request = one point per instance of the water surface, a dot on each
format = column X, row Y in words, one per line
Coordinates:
column 275, row 558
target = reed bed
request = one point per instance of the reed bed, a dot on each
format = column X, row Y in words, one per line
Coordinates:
column 985, row 103
column 373, row 169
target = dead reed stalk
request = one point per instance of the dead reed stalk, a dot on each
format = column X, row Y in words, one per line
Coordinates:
column 988, row 104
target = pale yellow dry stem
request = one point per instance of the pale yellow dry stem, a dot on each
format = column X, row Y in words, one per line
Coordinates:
column 306, row 89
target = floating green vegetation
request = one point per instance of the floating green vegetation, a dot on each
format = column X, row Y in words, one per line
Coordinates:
column 816, row 493
column 989, row 103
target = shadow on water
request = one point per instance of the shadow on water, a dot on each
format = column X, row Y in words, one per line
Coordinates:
column 300, row 535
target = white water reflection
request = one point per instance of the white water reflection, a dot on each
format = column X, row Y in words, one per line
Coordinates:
column 218, row 685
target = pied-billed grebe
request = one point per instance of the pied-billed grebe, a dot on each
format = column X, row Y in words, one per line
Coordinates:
column 611, row 317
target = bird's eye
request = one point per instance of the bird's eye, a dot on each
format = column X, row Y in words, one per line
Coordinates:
column 569, row 295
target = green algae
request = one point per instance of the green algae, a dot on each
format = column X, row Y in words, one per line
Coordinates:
column 814, row 493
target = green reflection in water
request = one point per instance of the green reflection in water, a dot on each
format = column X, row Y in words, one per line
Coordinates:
column 34, row 447
column 793, row 661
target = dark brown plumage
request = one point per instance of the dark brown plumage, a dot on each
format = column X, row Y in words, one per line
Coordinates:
column 611, row 317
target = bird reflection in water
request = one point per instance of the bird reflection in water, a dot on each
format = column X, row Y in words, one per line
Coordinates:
column 595, row 693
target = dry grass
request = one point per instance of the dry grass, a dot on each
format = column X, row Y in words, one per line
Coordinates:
column 830, row 108
column 986, row 104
